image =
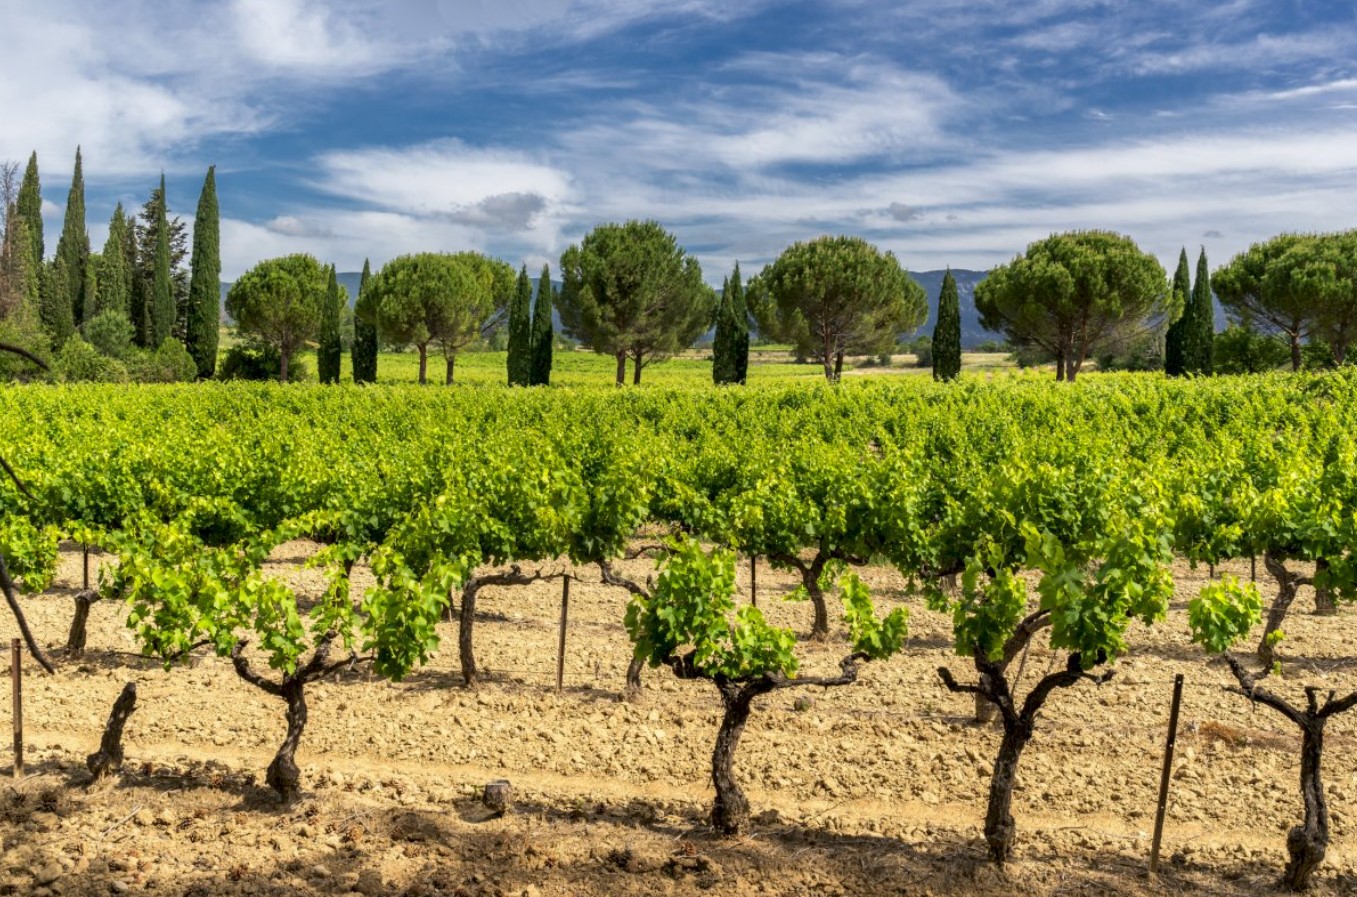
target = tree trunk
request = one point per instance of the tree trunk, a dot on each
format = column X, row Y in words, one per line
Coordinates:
column 621, row 368
column 838, row 366
column 827, row 361
column 75, row 641
column 1296, row 359
column 634, row 676
column 1060, row 367
column 282, row 367
column 999, row 825
column 110, row 753
column 1307, row 843
column 1287, row 583
column 636, row 370
column 423, row 364
column 1324, row 603
column 452, row 363
column 730, row 810
column 283, row 775
column 810, row 577
column 465, row 629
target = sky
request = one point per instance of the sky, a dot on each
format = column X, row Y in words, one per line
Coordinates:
column 951, row 133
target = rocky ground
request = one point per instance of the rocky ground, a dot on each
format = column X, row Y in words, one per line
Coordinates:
column 873, row 789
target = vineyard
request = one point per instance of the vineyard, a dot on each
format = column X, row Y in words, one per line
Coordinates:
column 839, row 578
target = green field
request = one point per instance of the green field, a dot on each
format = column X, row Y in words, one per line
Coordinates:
column 768, row 365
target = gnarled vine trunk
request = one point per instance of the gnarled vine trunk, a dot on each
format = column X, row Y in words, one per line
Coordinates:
column 1324, row 603
column 110, row 753
column 466, row 623
column 75, row 640
column 1307, row 843
column 1019, row 725
column 999, row 825
column 1287, row 585
column 730, row 810
column 283, row 775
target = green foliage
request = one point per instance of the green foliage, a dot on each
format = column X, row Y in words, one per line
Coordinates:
column 946, row 343
column 834, row 296
column 1240, row 349
column 876, row 638
column 1201, row 359
column 1298, row 285
column 73, row 250
column 30, row 552
column 1071, row 293
column 988, row 609
column 28, row 206
column 543, row 333
column 204, row 292
column 279, row 302
column 692, row 605
column 252, row 360
column 162, row 304
column 364, row 351
column 169, row 363
column 439, row 300
column 79, row 362
column 330, row 352
column 630, row 291
column 110, row 332
column 114, row 289
column 1223, row 613
column 1182, row 332
column 730, row 347
column 520, row 331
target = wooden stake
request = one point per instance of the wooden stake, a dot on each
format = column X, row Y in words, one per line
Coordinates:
column 1167, row 773
column 560, row 645
column 754, row 580
column 16, row 672
column 85, row 549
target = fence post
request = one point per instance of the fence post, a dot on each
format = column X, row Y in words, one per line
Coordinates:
column 16, row 667
column 1167, row 773
column 560, row 645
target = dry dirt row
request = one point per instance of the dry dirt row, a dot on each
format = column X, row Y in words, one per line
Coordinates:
column 874, row 789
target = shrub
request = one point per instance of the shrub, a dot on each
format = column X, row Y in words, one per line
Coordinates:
column 110, row 332
column 79, row 362
column 171, row 363
column 251, row 361
column 1240, row 349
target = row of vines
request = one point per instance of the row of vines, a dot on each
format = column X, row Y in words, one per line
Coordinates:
column 971, row 490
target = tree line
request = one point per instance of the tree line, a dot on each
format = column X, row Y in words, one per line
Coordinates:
column 144, row 307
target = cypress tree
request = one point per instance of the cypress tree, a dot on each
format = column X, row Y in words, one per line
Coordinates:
column 947, row 331
column 204, row 292
column 29, row 207
column 114, row 291
column 330, row 350
column 1178, row 340
column 739, row 312
column 543, row 334
column 520, row 331
column 94, row 272
column 364, row 352
column 63, row 301
column 1204, row 320
column 730, row 346
column 722, row 348
column 162, row 287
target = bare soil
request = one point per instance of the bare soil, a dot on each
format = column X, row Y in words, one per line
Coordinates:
column 874, row 789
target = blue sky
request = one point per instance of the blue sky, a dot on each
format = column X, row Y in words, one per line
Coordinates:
column 949, row 132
